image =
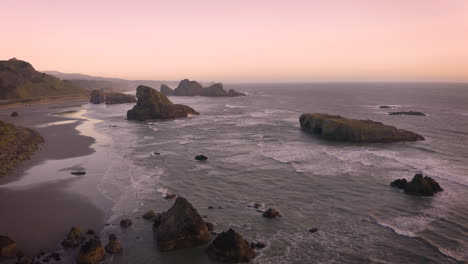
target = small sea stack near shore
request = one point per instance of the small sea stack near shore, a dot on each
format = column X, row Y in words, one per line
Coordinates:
column 420, row 185
column 187, row 87
column 337, row 128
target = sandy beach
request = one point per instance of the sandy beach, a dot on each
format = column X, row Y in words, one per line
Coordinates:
column 58, row 202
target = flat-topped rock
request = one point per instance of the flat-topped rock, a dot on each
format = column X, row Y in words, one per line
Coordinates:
column 412, row 113
column 337, row 128
column 180, row 227
column 152, row 104
column 231, row 247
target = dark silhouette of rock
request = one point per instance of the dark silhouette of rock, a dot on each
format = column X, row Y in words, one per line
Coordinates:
column 337, row 128
column 149, row 215
column 234, row 93
column 113, row 246
column 420, row 185
column 14, row 114
column 271, row 213
column 166, row 90
column 169, row 196
column 412, row 113
column 180, row 227
column 385, row 107
column 73, row 239
column 201, row 157
column 188, row 88
column 97, row 97
column 257, row 245
column 230, row 247
column 7, row 247
column 313, row 230
column 154, row 105
column 210, row 226
column 125, row 223
column 91, row 253
column 78, row 173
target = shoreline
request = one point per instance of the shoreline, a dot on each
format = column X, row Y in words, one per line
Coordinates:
column 59, row 202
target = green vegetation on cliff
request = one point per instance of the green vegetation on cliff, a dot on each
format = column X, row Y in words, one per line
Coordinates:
column 19, row 80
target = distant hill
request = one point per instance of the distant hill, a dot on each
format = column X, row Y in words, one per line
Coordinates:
column 19, row 80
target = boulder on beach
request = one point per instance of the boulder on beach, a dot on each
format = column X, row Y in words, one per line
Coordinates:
column 91, row 252
column 412, row 113
column 73, row 239
column 271, row 213
column 230, row 247
column 113, row 246
column 188, row 88
column 201, row 157
column 166, row 90
column 385, row 107
column 180, row 227
column 420, row 185
column 337, row 128
column 154, row 105
column 7, row 247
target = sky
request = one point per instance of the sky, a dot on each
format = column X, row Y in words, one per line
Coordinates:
column 242, row 40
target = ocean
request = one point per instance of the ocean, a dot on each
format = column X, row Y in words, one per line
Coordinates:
column 257, row 153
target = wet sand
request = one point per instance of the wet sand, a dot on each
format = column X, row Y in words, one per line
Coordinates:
column 38, row 216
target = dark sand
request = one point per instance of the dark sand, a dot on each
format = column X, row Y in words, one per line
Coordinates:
column 39, row 216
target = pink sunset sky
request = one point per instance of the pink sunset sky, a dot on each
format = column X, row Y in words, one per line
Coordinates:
column 242, row 41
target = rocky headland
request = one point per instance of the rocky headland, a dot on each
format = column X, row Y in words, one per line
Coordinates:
column 337, row 128
column 187, row 87
column 152, row 104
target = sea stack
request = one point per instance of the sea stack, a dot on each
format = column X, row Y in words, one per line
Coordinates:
column 152, row 104
column 180, row 227
column 420, row 185
column 193, row 88
column 231, row 247
column 337, row 128
column 188, row 88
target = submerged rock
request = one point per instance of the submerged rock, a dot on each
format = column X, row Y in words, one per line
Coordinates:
column 420, row 185
column 407, row 113
column 73, row 239
column 7, row 247
column 271, row 213
column 113, row 246
column 338, row 128
column 230, row 247
column 166, row 90
column 78, row 173
column 91, row 253
column 154, row 105
column 180, row 227
column 201, row 157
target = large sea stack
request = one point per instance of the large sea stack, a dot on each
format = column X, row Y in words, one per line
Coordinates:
column 332, row 127
column 193, row 88
column 154, row 105
column 180, row 227
column 188, row 88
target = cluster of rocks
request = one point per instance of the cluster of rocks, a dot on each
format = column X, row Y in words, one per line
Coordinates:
column 152, row 104
column 194, row 88
column 337, row 128
column 97, row 97
column 420, row 185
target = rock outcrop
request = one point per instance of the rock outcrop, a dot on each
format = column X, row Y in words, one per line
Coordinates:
column 217, row 90
column 91, row 252
column 420, row 185
column 16, row 144
column 166, row 90
column 412, row 113
column 154, row 105
column 98, row 97
column 338, row 128
column 180, row 227
column 271, row 213
column 7, row 247
column 188, row 88
column 201, row 157
column 230, row 247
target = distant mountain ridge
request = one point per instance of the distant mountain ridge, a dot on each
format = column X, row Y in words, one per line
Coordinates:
column 19, row 80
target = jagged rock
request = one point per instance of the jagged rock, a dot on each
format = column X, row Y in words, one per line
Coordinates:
column 180, row 227
column 91, row 253
column 73, row 239
column 420, row 185
column 14, row 114
column 230, row 247
column 166, row 90
column 271, row 213
column 125, row 223
column 7, row 247
column 149, row 215
column 113, row 246
column 201, row 157
column 188, row 88
column 343, row 129
column 407, row 113
column 154, row 105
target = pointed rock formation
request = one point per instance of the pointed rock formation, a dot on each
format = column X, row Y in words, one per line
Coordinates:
column 154, row 105
column 166, row 90
column 180, row 227
column 230, row 247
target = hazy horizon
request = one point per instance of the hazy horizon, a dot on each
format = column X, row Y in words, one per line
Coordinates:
column 243, row 41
